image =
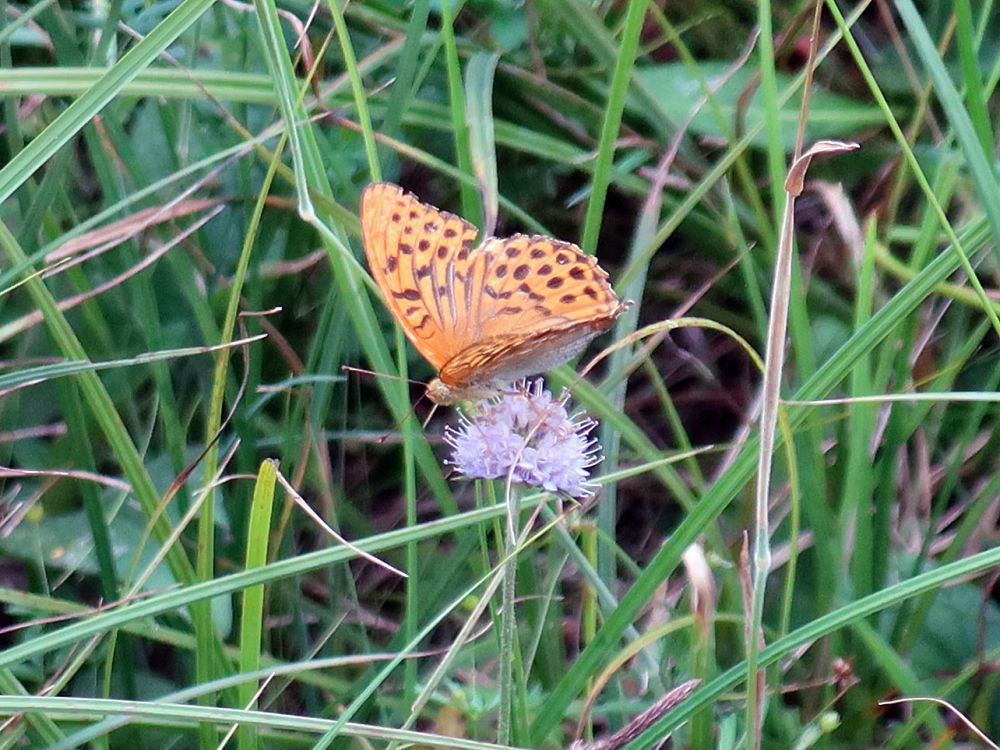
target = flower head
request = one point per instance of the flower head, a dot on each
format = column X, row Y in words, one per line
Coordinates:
column 530, row 433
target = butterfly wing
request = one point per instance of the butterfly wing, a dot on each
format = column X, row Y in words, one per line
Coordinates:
column 531, row 303
column 412, row 250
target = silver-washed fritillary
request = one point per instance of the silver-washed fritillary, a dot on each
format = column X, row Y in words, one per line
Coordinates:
column 483, row 316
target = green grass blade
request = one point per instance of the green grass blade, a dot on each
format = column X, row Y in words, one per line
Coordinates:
column 482, row 148
column 624, row 64
column 357, row 89
column 405, row 72
column 457, row 107
column 975, row 99
column 252, row 612
column 983, row 174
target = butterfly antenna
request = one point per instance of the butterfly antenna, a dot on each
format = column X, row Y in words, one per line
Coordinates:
column 362, row 371
column 410, row 412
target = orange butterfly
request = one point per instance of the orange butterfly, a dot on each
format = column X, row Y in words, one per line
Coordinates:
column 483, row 316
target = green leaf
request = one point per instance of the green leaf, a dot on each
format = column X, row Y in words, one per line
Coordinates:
column 830, row 115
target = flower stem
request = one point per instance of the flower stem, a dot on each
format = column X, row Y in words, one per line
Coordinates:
column 507, row 617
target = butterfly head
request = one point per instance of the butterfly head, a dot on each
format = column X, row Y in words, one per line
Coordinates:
column 445, row 395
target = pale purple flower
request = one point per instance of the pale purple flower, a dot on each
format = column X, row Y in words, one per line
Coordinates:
column 531, row 433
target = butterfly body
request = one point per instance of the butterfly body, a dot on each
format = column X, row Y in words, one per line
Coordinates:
column 483, row 316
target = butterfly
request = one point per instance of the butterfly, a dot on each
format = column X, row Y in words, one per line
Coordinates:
column 484, row 316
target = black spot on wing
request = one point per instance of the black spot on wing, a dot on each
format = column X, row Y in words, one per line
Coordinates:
column 526, row 289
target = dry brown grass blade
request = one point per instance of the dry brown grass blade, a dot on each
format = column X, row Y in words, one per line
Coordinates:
column 795, row 181
column 961, row 717
column 128, row 227
column 643, row 721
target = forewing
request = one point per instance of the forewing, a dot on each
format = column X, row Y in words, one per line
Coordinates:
column 414, row 252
